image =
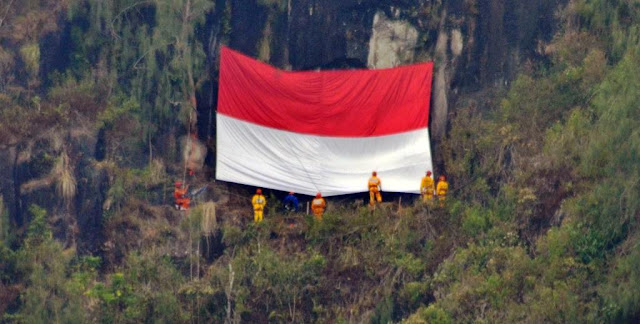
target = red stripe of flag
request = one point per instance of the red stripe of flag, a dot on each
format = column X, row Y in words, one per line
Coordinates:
column 351, row 103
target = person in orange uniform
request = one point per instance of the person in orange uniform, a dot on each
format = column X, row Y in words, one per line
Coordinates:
column 182, row 202
column 318, row 204
column 427, row 188
column 441, row 190
column 375, row 186
column 258, row 201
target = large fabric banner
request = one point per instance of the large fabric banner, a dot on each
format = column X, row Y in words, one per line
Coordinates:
column 322, row 131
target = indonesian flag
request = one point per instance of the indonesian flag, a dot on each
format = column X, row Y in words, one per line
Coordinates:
column 322, row 131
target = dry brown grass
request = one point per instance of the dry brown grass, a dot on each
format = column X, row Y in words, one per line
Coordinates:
column 66, row 182
column 108, row 165
column 157, row 171
column 67, row 185
column 208, row 223
column 36, row 184
column 56, row 139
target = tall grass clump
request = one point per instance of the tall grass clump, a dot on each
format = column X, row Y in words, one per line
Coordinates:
column 208, row 222
column 157, row 172
column 66, row 182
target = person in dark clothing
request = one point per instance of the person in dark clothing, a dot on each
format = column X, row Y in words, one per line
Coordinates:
column 290, row 202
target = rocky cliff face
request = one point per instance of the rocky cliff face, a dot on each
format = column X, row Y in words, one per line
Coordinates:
column 476, row 44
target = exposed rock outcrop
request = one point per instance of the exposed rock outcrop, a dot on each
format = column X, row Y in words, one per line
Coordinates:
column 476, row 44
column 392, row 42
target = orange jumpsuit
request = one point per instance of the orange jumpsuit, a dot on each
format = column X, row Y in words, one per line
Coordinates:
column 441, row 190
column 182, row 201
column 258, row 202
column 374, row 189
column 317, row 206
column 427, row 188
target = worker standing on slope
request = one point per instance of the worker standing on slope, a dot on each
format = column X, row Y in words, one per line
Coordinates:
column 182, row 202
column 318, row 204
column 375, row 186
column 427, row 188
column 290, row 202
column 258, row 201
column 441, row 189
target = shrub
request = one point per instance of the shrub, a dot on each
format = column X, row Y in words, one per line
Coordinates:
column 431, row 314
column 475, row 222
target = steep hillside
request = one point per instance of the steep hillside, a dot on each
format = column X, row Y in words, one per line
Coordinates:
column 147, row 64
column 535, row 119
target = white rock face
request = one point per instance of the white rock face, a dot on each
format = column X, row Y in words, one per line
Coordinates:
column 440, row 102
column 193, row 153
column 392, row 42
column 456, row 42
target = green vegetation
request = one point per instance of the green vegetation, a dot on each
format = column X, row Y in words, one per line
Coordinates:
column 541, row 225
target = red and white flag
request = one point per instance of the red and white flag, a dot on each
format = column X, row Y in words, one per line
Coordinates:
column 322, row 131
